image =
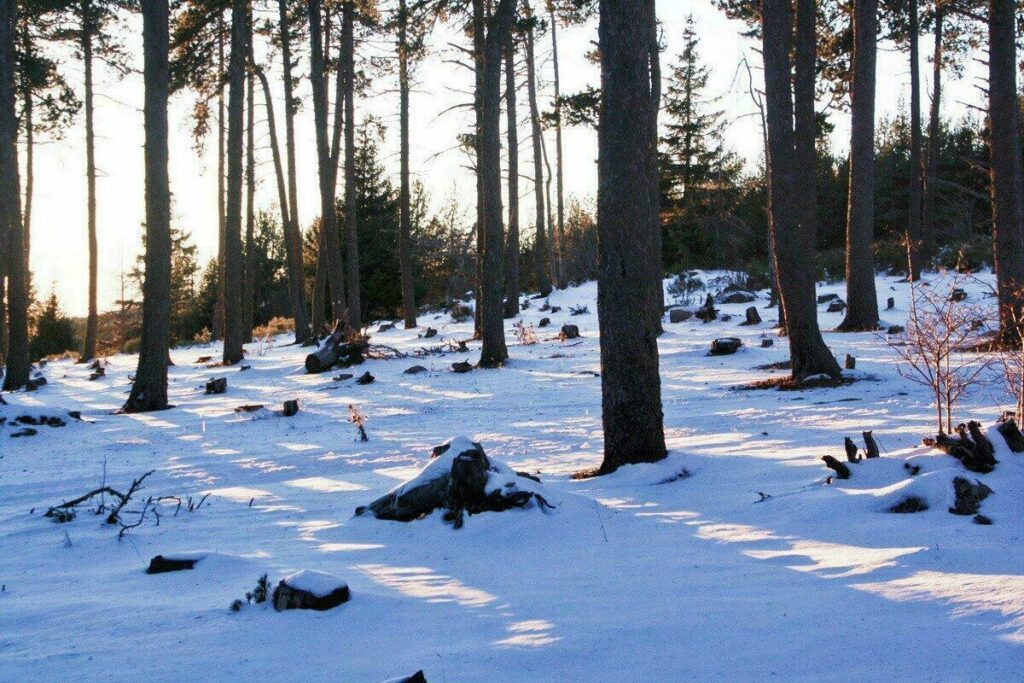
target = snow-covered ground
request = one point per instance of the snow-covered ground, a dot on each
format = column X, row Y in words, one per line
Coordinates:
column 639, row 576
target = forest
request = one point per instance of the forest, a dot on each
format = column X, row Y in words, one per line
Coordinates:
column 722, row 415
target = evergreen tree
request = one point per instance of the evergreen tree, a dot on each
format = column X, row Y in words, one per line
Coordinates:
column 54, row 333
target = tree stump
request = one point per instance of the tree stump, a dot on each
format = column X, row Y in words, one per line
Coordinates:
column 544, row 322
column 430, row 333
column 366, row 378
column 851, row 362
column 97, row 373
column 336, row 351
column 753, row 317
column 767, row 343
column 957, row 295
column 871, row 446
column 290, row 408
column 968, row 496
column 707, row 312
column 890, row 304
column 841, row 470
column 851, row 450
column 310, row 590
column 837, row 306
column 569, row 332
column 825, row 298
column 217, row 386
column 1012, row 435
column 894, row 329
column 462, row 367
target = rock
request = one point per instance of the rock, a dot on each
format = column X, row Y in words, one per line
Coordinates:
column 738, row 297
column 385, row 327
column 707, row 312
column 825, row 298
column 415, row 370
column 310, row 590
column 430, row 333
column 837, row 306
column 27, row 431
column 75, row 415
column 544, row 322
column 726, row 318
column 767, row 343
column 569, row 332
column 290, row 408
column 753, row 317
column 217, row 386
column 725, row 346
column 365, row 378
column 909, row 504
column 982, row 519
column 162, row 565
column 35, row 383
column 968, row 496
column 890, row 304
column 851, row 362
column 461, row 367
column 679, row 315
column 894, row 329
column 250, row 408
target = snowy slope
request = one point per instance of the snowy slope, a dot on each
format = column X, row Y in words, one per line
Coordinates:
column 647, row 574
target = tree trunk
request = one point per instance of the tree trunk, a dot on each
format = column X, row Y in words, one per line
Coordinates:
column 916, row 169
column 17, row 361
column 405, row 227
column 627, row 218
column 249, row 296
column 234, row 269
column 92, row 320
column 1007, row 174
column 512, row 239
column 540, row 246
column 30, row 154
column 862, row 300
column 292, row 235
column 794, row 234
column 330, row 246
column 934, row 132
column 499, row 33
column 479, row 36
column 218, row 310
column 559, row 238
column 348, row 50
column 656, row 302
column 149, row 390
column 3, row 297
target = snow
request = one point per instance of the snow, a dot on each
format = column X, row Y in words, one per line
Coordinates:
column 677, row 570
column 320, row 584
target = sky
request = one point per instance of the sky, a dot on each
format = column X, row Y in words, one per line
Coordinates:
column 59, row 249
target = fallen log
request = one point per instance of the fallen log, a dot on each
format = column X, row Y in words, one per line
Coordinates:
column 337, row 351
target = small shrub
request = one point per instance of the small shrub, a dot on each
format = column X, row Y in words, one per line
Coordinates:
column 579, row 310
column 526, row 335
column 275, row 326
column 259, row 594
column 359, row 420
column 460, row 312
column 967, row 257
column 683, row 287
column 891, row 257
column 759, row 274
column 830, row 265
column 203, row 336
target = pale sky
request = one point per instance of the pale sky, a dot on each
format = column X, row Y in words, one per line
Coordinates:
column 59, row 251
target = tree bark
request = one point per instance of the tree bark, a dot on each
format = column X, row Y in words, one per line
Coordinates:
column 479, row 20
column 627, row 219
column 793, row 230
column 329, row 240
column 512, row 239
column 17, row 362
column 290, row 210
column 499, row 32
column 218, row 310
column 348, row 49
column 656, row 303
column 862, row 300
column 934, row 133
column 149, row 390
column 30, row 154
column 404, row 199
column 92, row 319
column 916, row 168
column 234, row 270
column 559, row 238
column 540, row 247
column 249, row 296
column 1006, row 171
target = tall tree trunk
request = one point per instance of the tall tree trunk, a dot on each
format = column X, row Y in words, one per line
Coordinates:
column 934, row 133
column 330, row 246
column 656, row 303
column 512, row 239
column 218, row 309
column 1006, row 170
column 558, row 267
column 149, row 389
column 627, row 218
column 292, row 234
column 404, row 199
column 348, row 51
column 499, row 33
column 3, row 298
column 794, row 232
column 249, row 296
column 30, row 152
column 540, row 247
column 862, row 300
column 92, row 320
column 916, row 169
column 479, row 38
column 234, row 269
column 17, row 361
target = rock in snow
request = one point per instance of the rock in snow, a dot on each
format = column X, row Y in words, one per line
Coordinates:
column 310, row 589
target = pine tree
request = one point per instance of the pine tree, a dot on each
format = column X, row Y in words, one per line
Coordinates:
column 54, row 333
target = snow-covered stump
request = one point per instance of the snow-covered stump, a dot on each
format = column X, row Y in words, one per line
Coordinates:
column 310, row 590
column 460, row 478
